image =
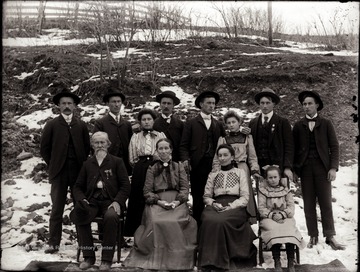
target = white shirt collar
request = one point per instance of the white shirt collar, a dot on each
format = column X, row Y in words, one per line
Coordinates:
column 67, row 117
column 165, row 117
column 205, row 116
column 308, row 117
column 113, row 115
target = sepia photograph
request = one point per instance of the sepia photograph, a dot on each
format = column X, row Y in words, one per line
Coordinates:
column 180, row 136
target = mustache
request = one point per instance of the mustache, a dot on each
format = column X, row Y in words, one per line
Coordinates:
column 100, row 150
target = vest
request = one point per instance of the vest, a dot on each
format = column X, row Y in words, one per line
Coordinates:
column 210, row 148
column 262, row 141
column 313, row 153
column 71, row 154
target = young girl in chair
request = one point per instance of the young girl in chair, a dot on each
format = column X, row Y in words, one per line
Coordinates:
column 277, row 223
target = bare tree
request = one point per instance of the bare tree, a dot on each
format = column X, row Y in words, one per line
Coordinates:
column 270, row 22
column 224, row 17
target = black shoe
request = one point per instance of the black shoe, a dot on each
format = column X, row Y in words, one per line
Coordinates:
column 87, row 263
column 52, row 250
column 334, row 244
column 313, row 241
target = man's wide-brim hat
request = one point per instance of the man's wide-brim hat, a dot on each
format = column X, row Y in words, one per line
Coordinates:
column 65, row 93
column 113, row 92
column 83, row 213
column 206, row 94
column 268, row 93
column 168, row 94
column 314, row 94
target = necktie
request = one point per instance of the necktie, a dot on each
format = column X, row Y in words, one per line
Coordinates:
column 68, row 120
column 266, row 120
column 117, row 119
column 167, row 119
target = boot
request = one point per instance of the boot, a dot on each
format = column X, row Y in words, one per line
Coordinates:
column 334, row 244
column 291, row 267
column 277, row 265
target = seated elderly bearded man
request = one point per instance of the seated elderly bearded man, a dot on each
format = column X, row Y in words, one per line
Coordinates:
column 101, row 189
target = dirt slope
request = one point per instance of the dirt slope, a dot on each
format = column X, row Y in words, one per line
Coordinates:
column 226, row 66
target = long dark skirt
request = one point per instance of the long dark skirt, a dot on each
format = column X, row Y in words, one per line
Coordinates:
column 251, row 206
column 226, row 238
column 166, row 239
column 136, row 202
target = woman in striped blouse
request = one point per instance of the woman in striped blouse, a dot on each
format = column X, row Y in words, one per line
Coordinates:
column 141, row 153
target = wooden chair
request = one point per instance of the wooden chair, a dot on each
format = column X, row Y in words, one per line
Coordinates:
column 262, row 246
column 98, row 233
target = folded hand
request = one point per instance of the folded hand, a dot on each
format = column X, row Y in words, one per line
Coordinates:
column 116, row 207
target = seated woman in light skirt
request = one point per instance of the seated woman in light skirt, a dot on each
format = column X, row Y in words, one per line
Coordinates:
column 166, row 238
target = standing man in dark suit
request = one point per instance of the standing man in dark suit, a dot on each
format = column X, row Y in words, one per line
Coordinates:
column 118, row 129
column 272, row 135
column 102, row 188
column 198, row 147
column 168, row 123
column 64, row 146
column 316, row 163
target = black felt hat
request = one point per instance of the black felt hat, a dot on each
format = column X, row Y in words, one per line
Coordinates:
column 65, row 93
column 314, row 94
column 207, row 94
column 168, row 94
column 112, row 91
column 83, row 213
column 267, row 92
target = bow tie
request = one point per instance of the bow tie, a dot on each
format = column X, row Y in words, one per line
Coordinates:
column 147, row 131
column 207, row 117
column 311, row 120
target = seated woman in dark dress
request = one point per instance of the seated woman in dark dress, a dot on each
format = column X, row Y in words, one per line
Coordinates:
column 225, row 236
column 166, row 238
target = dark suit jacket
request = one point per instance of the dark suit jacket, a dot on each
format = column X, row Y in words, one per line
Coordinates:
column 193, row 140
column 281, row 143
column 173, row 131
column 119, row 135
column 55, row 140
column 326, row 143
column 112, row 172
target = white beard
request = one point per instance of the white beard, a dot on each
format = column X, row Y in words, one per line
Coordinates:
column 100, row 154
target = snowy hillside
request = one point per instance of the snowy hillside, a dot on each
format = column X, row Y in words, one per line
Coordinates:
column 26, row 204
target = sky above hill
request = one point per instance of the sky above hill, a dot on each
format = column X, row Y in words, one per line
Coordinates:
column 297, row 17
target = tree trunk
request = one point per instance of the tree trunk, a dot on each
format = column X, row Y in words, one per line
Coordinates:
column 270, row 22
column 76, row 13
column 41, row 15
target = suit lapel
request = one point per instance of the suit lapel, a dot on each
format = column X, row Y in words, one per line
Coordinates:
column 304, row 122
column 318, row 122
column 113, row 121
column 257, row 124
column 201, row 121
column 273, row 124
column 62, row 121
column 73, row 122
